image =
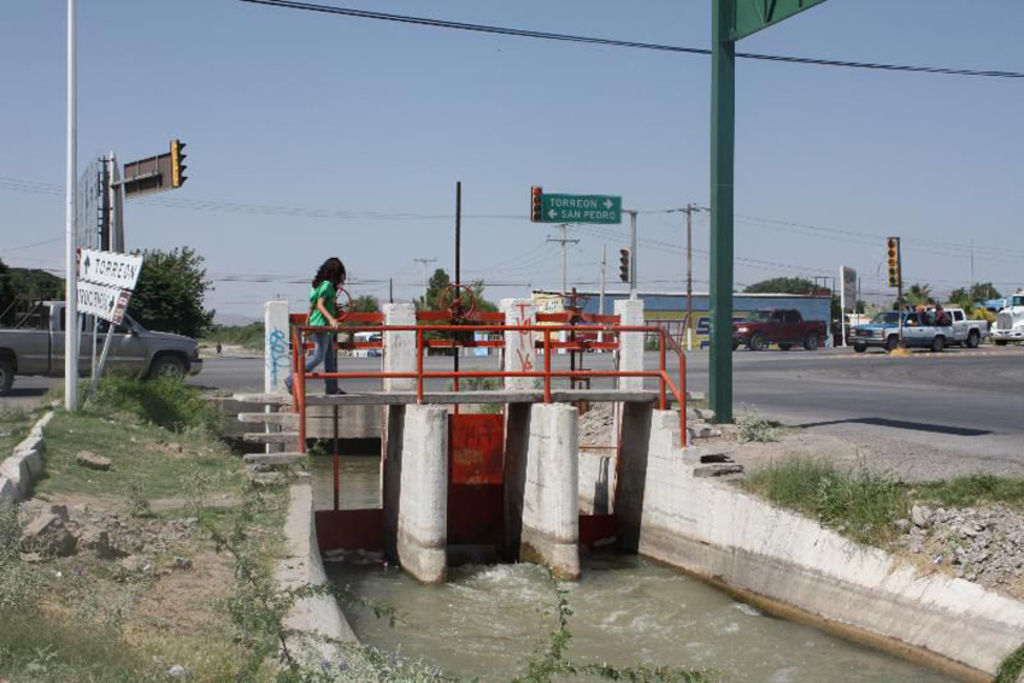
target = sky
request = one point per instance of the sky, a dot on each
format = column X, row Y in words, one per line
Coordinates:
column 311, row 135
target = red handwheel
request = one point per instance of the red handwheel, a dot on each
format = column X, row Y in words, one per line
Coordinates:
column 455, row 307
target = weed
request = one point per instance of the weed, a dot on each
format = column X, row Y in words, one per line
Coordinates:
column 1012, row 667
column 163, row 401
column 972, row 490
column 859, row 503
column 750, row 427
column 138, row 504
column 19, row 586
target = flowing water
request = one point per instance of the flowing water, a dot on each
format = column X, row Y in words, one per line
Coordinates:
column 487, row 620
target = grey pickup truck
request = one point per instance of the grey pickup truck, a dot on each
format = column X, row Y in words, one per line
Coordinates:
column 34, row 345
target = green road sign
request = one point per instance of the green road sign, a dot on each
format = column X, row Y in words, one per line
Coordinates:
column 753, row 15
column 580, row 208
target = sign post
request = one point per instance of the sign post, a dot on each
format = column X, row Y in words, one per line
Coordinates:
column 731, row 20
column 105, row 288
column 847, row 293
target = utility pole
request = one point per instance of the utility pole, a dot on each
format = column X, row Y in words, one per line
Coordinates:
column 71, row 327
column 564, row 241
column 424, row 262
column 971, row 283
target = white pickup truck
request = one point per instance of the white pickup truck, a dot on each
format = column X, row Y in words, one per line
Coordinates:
column 1010, row 322
column 35, row 346
column 968, row 333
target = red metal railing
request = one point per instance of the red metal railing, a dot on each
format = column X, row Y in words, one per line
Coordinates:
column 665, row 382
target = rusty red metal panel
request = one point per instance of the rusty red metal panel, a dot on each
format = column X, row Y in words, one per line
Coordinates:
column 596, row 528
column 350, row 529
column 475, row 449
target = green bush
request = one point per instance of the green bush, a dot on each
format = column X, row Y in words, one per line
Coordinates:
column 163, row 401
column 861, row 504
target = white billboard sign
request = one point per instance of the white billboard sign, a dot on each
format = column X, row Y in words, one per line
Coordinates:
column 120, row 271
column 848, row 280
column 103, row 301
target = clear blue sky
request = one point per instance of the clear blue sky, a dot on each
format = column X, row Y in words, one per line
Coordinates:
column 291, row 109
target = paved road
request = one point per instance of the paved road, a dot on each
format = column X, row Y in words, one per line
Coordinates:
column 958, row 411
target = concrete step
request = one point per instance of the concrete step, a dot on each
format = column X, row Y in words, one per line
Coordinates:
column 695, row 395
column 271, row 437
column 265, row 399
column 280, row 419
column 273, row 459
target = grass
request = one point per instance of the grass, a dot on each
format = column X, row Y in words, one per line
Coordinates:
column 15, row 424
column 166, row 402
column 972, row 490
column 859, row 503
column 864, row 505
column 1012, row 667
column 83, row 618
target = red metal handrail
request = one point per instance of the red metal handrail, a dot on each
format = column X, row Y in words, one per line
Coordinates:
column 666, row 384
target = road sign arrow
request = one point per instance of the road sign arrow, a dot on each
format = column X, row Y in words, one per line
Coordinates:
column 552, row 213
column 608, row 204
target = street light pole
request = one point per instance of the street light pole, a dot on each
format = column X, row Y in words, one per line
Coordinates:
column 632, row 253
column 71, row 327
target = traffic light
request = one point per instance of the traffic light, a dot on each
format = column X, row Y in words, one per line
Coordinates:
column 624, row 265
column 177, row 163
column 893, row 244
column 536, row 194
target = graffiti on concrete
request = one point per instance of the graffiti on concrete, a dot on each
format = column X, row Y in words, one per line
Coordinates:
column 277, row 354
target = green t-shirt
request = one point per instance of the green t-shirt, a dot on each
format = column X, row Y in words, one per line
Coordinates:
column 329, row 294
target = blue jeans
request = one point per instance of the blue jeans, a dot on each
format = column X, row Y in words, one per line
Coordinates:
column 323, row 352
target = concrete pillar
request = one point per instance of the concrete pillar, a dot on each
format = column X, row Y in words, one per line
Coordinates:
column 550, row 503
column 277, row 356
column 517, row 439
column 399, row 347
column 631, row 344
column 631, row 477
column 423, row 493
column 391, row 476
column 520, row 351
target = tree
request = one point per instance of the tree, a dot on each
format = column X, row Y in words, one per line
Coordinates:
column 439, row 282
column 6, row 290
column 170, row 292
column 365, row 304
column 860, row 307
column 785, row 285
column 980, row 291
column 918, row 295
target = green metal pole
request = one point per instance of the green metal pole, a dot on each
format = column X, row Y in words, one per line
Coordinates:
column 723, row 129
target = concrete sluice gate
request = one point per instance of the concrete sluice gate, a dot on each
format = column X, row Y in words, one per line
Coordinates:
column 499, row 485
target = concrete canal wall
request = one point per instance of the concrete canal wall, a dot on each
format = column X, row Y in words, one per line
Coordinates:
column 717, row 531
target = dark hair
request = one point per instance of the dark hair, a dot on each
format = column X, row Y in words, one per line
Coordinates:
column 332, row 270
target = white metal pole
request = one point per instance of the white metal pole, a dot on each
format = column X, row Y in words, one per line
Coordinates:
column 71, row 333
column 842, row 306
column 633, row 255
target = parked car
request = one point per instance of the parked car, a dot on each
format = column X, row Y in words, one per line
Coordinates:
column 785, row 327
column 921, row 329
column 1010, row 322
column 35, row 346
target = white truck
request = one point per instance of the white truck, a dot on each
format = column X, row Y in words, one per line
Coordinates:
column 1010, row 322
column 968, row 333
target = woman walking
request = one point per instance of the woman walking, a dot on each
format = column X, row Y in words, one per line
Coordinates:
column 323, row 312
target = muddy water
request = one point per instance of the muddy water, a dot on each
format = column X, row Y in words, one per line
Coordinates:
column 486, row 621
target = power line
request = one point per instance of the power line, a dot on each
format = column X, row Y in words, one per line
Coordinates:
column 545, row 35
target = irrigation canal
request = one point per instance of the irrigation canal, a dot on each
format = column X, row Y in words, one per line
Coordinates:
column 488, row 619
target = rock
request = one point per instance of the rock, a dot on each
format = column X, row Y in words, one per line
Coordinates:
column 921, row 516
column 902, row 525
column 134, row 563
column 99, row 543
column 182, row 563
column 47, row 536
column 178, row 671
column 61, row 511
column 266, row 478
column 92, row 461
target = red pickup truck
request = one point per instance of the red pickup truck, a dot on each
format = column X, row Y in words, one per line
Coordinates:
column 785, row 327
